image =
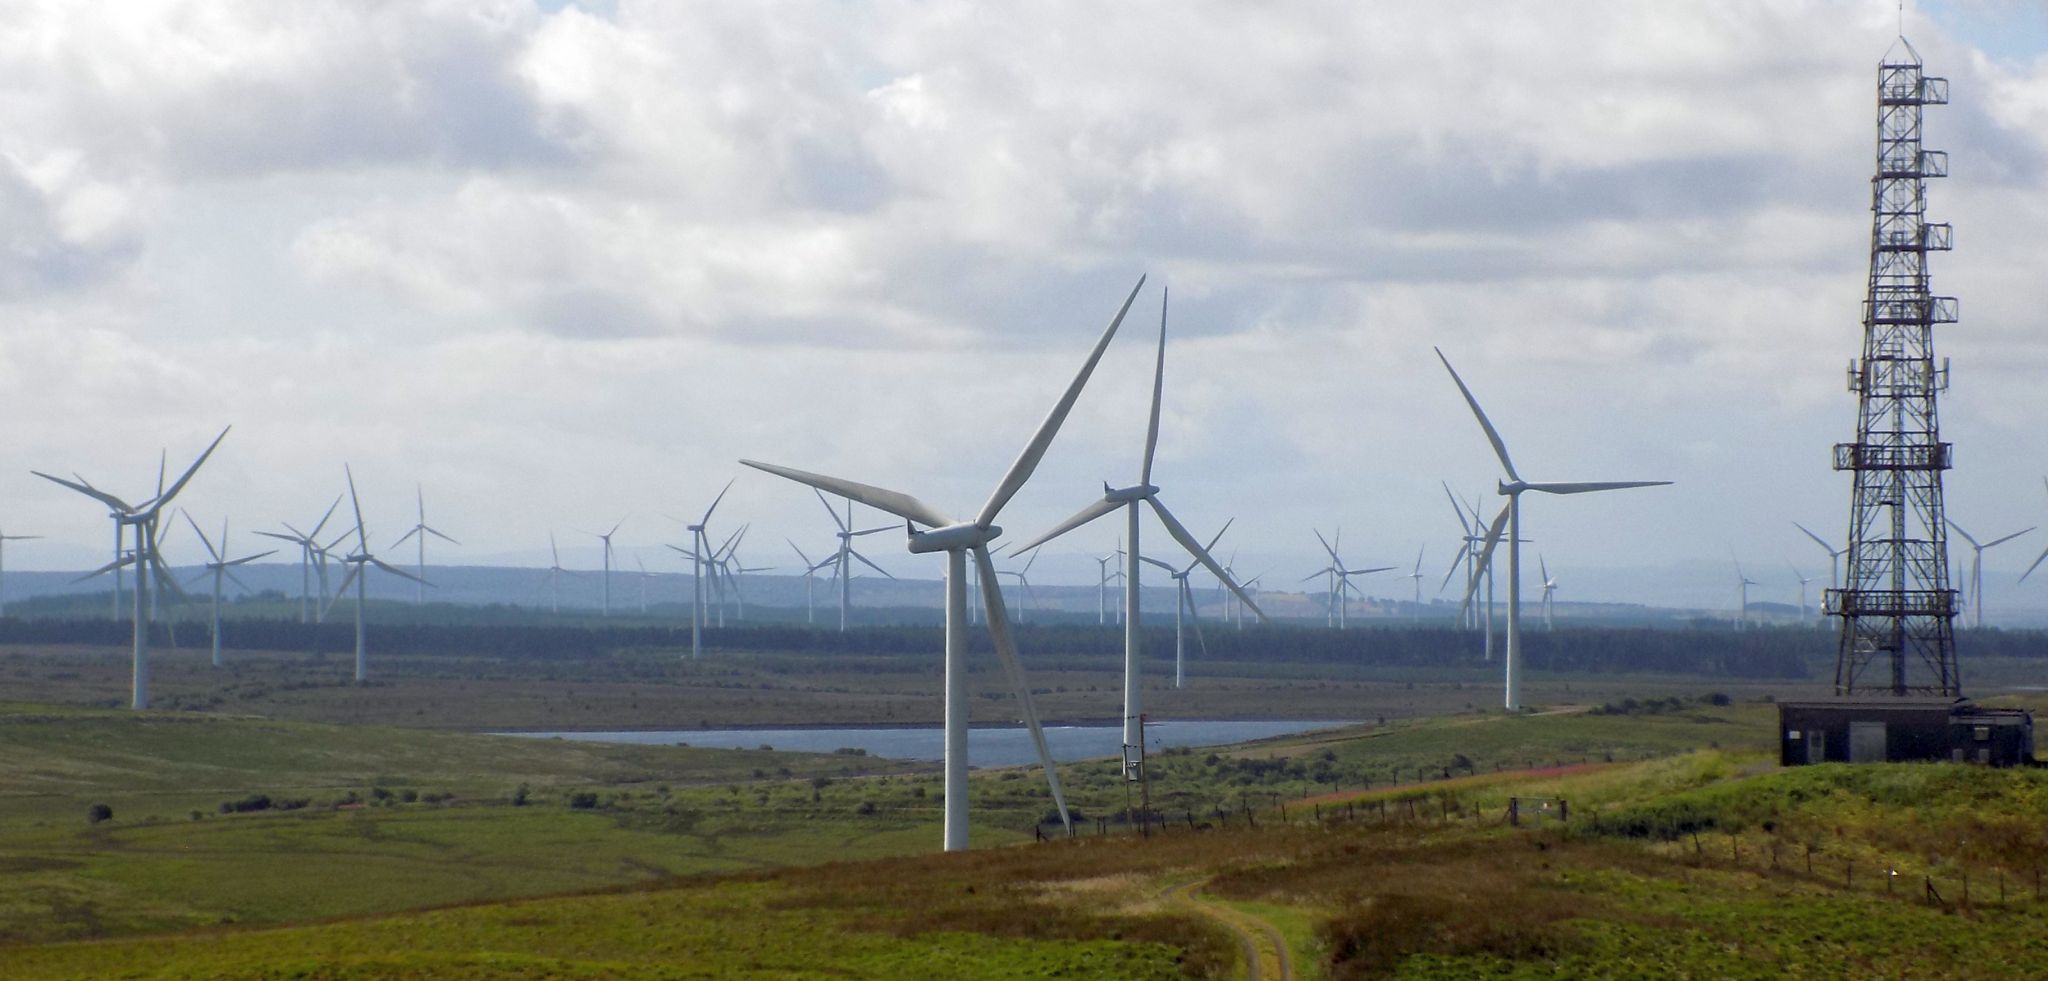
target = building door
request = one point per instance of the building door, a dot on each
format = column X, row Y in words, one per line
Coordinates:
column 1816, row 746
column 1866, row 742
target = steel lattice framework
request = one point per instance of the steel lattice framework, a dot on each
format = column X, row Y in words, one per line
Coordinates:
column 1896, row 605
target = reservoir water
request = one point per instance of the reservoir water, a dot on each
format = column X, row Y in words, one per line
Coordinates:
column 992, row 746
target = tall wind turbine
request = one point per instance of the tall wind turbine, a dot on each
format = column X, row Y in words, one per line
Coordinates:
column 1977, row 566
column 1549, row 587
column 606, row 538
column 4, row 539
column 1742, row 612
column 358, row 563
column 555, row 572
column 219, row 566
column 1128, row 498
column 1102, row 563
column 1511, row 517
column 1024, row 586
column 1804, row 581
column 810, row 576
column 143, row 518
column 1468, row 553
column 957, row 539
column 1834, row 556
column 420, row 530
column 1184, row 602
column 842, row 559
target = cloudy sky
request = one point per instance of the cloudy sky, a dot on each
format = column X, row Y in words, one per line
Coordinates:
column 563, row 264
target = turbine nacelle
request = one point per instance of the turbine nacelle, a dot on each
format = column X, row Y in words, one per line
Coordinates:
column 963, row 535
column 1125, row 495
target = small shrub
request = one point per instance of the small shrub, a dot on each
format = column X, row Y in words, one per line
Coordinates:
column 519, row 797
column 583, row 800
column 97, row 813
column 866, row 808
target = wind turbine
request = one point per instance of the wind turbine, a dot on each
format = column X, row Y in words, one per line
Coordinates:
column 1804, row 580
column 1511, row 517
column 957, row 539
column 1834, row 556
column 643, row 581
column 699, row 552
column 734, row 570
column 420, row 530
column 1549, row 587
column 842, row 559
column 555, row 572
column 358, row 563
column 1102, row 563
column 606, row 538
column 4, row 539
column 1340, row 579
column 810, row 576
column 1024, row 585
column 1128, row 498
column 143, row 518
column 1977, row 566
column 1184, row 600
column 1418, row 576
column 1468, row 553
column 219, row 567
column 1742, row 616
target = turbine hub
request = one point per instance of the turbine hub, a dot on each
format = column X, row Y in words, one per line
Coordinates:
column 1125, row 495
column 966, row 534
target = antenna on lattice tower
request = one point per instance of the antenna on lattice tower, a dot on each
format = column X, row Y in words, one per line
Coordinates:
column 1896, row 603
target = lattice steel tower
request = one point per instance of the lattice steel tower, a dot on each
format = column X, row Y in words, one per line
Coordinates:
column 1896, row 606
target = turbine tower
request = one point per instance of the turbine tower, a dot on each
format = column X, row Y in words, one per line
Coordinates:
column 1418, row 576
column 842, row 560
column 957, row 539
column 1128, row 499
column 700, row 554
column 606, row 538
column 1804, row 581
column 1510, row 517
column 219, row 567
column 1897, row 605
column 4, row 539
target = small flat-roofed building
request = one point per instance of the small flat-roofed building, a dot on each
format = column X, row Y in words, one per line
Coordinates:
column 1882, row 729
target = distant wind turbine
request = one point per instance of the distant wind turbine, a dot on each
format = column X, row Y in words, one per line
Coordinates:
column 1549, row 587
column 1742, row 614
column 1804, row 580
column 1977, row 566
column 1340, row 579
column 420, row 531
column 219, row 566
column 606, row 538
column 1184, row 601
column 958, row 539
column 700, row 555
column 1511, row 517
column 1834, row 556
column 358, row 563
column 555, row 572
column 1418, row 575
column 843, row 558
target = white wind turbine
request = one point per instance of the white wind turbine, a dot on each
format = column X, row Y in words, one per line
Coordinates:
column 842, row 559
column 1468, row 553
column 419, row 530
column 1022, row 576
column 1804, row 581
column 1128, row 498
column 555, row 572
column 219, row 566
column 4, row 539
column 1834, row 556
column 1102, row 563
column 957, row 539
column 358, row 562
column 606, row 538
column 1418, row 576
column 810, row 576
column 1977, row 566
column 1511, row 517
column 644, row 576
column 143, row 518
column 1742, row 614
column 700, row 554
column 1340, row 579
column 1549, row 587
column 1184, row 601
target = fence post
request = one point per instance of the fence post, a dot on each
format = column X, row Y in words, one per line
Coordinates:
column 1809, row 858
column 1966, row 887
column 1849, row 874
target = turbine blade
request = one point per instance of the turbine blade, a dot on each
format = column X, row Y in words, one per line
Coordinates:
column 714, row 502
column 1187, row 541
column 1463, row 550
column 442, row 537
column 1493, row 533
column 1006, row 651
column 1586, row 487
column 362, row 539
column 282, row 538
column 1027, row 461
column 837, row 522
column 109, row 567
column 1158, row 386
column 89, row 491
column 396, row 571
column 203, row 540
column 323, row 518
column 179, row 485
column 1326, row 547
column 895, row 502
column 1148, row 560
column 1195, row 618
column 1459, row 509
column 1081, row 517
column 2001, row 541
column 246, row 559
column 864, row 561
column 402, row 539
column 1500, row 449
column 354, row 569
column 2036, row 565
column 870, row 531
column 1817, row 540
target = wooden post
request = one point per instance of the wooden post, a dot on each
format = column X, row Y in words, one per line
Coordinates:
column 1848, row 874
column 1515, row 811
column 1809, row 858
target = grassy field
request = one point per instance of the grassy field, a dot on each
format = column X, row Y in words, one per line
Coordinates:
column 662, row 690
column 1379, row 850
